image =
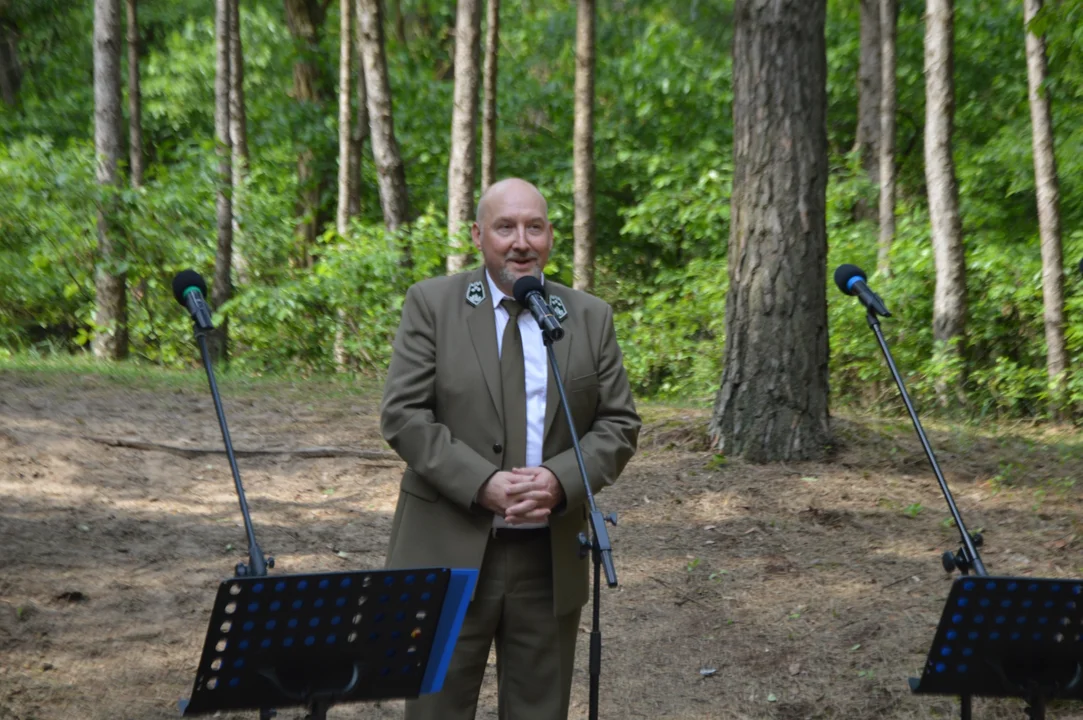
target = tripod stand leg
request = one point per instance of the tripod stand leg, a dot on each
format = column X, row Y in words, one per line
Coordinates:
column 964, row 707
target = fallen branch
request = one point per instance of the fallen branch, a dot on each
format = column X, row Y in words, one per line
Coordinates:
column 190, row 452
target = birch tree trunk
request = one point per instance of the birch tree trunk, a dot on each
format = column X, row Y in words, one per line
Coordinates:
column 583, row 148
column 111, row 301
column 385, row 149
column 464, row 126
column 773, row 401
column 488, row 115
column 346, row 148
column 949, row 298
column 889, row 20
column 360, row 128
column 238, row 138
column 1048, row 193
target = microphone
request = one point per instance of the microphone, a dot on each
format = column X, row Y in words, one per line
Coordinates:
column 189, row 288
column 528, row 293
column 851, row 281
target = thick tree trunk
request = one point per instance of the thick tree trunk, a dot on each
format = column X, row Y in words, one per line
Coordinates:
column 238, row 137
column 583, row 148
column 223, row 258
column 346, row 147
column 385, row 149
column 464, row 131
column 1048, row 192
column 305, row 19
column 773, row 402
column 111, row 304
column 488, row 115
column 889, row 19
column 867, row 141
column 135, row 100
column 949, row 298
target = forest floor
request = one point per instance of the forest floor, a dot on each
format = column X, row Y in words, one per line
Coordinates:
column 800, row 590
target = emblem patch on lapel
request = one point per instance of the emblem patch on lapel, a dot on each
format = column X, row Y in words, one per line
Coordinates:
column 475, row 293
column 558, row 307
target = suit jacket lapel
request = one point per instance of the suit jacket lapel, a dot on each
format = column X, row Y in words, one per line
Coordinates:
column 481, row 321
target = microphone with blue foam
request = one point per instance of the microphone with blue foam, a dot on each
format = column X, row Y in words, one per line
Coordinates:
column 851, row 280
column 189, row 288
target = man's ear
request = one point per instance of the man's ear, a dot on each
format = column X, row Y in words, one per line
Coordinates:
column 475, row 233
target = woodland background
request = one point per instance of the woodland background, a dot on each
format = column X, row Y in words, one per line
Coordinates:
column 316, row 282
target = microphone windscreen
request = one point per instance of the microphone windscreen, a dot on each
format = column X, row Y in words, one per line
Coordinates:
column 186, row 279
column 845, row 274
column 524, row 286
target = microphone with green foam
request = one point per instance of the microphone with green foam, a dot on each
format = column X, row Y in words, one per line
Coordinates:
column 189, row 289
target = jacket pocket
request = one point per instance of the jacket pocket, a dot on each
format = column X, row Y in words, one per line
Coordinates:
column 415, row 485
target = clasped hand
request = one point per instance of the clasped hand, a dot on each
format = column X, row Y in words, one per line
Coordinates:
column 521, row 495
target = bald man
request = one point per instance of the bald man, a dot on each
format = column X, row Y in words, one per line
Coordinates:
column 471, row 406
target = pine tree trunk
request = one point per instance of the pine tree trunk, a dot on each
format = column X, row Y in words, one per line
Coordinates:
column 385, row 149
column 111, row 304
column 222, row 289
column 869, row 87
column 488, row 115
column 583, row 148
column 773, row 401
column 360, row 128
column 346, row 147
column 464, row 127
column 949, row 299
column 1048, row 192
column 238, row 137
column 305, row 19
column 135, row 100
column 889, row 20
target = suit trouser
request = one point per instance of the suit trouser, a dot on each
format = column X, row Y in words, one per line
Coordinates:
column 535, row 650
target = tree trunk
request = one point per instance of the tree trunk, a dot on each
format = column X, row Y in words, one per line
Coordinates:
column 111, row 305
column 464, row 130
column 238, row 137
column 867, row 141
column 135, row 100
column 488, row 115
column 11, row 72
column 773, row 401
column 223, row 258
column 889, row 20
column 949, row 298
column 1048, row 192
column 346, row 147
column 305, row 19
column 385, row 149
column 360, row 128
column 583, row 150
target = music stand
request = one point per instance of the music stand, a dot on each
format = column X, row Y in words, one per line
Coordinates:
column 1008, row 637
column 321, row 639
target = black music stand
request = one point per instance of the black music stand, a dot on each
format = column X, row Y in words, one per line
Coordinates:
column 321, row 639
column 1008, row 637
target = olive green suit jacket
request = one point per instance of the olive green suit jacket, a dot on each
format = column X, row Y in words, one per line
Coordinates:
column 442, row 413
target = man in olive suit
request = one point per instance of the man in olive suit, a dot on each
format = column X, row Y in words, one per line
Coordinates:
column 492, row 482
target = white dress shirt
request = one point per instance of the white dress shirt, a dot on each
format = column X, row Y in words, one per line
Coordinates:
column 536, row 365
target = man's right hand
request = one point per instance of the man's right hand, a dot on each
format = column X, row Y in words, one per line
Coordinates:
column 505, row 489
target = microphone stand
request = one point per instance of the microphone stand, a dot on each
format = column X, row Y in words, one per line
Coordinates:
column 597, row 545
column 257, row 564
column 967, row 557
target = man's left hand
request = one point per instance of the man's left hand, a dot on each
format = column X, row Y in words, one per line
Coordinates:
column 534, row 494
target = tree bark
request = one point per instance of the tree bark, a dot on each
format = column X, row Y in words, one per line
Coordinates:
column 346, row 147
column 238, row 137
column 360, row 128
column 889, row 19
column 949, row 298
column 135, row 100
column 305, row 20
column 111, row 304
column 464, row 130
column 583, row 148
column 488, row 115
column 1048, row 194
column 222, row 289
column 867, row 141
column 385, row 149
column 773, row 400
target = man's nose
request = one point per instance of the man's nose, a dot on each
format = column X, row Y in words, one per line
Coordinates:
column 520, row 238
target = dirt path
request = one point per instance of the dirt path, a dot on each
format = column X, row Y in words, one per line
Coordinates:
column 810, row 590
